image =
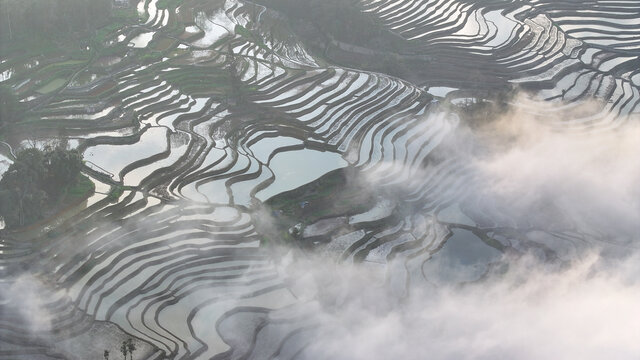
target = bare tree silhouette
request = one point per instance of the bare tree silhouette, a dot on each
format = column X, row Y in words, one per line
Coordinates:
column 131, row 346
column 124, row 349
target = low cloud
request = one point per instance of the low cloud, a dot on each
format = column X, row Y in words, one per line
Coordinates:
column 26, row 299
column 515, row 168
column 586, row 310
column 588, row 178
column 528, row 172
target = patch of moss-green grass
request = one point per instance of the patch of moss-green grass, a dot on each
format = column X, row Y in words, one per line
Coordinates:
column 52, row 86
column 115, row 192
column 80, row 190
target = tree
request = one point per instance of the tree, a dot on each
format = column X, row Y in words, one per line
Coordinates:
column 63, row 167
column 34, row 181
column 124, row 349
column 131, row 346
column 106, row 355
column 22, row 199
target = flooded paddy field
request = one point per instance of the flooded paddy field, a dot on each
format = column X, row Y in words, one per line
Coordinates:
column 233, row 152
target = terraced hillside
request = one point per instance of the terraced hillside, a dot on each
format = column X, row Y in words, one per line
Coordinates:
column 224, row 139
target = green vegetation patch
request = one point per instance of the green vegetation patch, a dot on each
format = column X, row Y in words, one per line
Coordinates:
column 40, row 183
column 80, row 189
column 52, row 86
column 69, row 62
column 192, row 80
column 331, row 195
column 163, row 44
column 115, row 192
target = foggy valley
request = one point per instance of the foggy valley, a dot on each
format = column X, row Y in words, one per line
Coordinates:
column 319, row 179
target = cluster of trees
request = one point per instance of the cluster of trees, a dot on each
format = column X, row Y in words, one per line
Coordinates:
column 51, row 18
column 127, row 347
column 35, row 182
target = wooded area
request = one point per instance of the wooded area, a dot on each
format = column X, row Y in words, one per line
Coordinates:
column 35, row 182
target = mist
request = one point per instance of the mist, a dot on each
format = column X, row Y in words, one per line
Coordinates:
column 543, row 178
column 587, row 180
column 581, row 311
column 320, row 179
column 27, row 297
column 527, row 169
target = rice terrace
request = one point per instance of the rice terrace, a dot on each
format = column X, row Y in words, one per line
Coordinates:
column 319, row 179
